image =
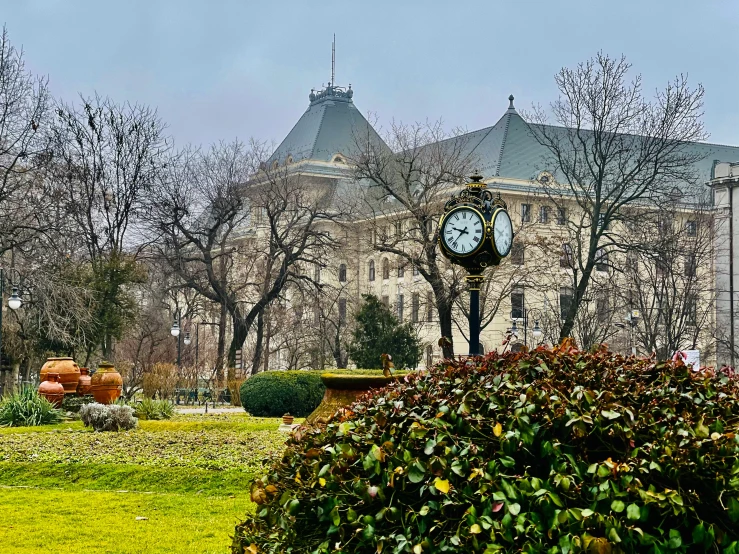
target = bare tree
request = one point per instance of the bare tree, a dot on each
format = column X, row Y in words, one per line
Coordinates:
column 104, row 155
column 614, row 149
column 24, row 116
column 668, row 267
column 238, row 235
column 404, row 199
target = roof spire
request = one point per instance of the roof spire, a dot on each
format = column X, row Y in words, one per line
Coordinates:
column 510, row 106
column 333, row 61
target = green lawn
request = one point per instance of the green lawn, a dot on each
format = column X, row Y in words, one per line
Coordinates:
column 67, row 489
column 36, row 521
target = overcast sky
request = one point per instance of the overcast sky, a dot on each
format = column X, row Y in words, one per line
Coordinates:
column 223, row 69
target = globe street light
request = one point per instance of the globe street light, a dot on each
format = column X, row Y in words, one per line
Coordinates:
column 175, row 330
column 15, row 301
column 187, row 340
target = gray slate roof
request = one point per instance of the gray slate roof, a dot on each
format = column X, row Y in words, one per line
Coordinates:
column 328, row 127
column 507, row 149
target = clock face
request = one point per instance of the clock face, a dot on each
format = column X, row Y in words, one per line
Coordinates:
column 463, row 231
column 502, row 233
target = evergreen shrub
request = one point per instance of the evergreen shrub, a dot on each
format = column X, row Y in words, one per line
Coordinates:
column 554, row 450
column 274, row 393
column 73, row 403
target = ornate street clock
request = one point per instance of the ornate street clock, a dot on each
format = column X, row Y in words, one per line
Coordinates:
column 475, row 232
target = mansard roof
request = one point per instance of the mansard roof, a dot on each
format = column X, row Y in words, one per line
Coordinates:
column 327, row 128
column 509, row 149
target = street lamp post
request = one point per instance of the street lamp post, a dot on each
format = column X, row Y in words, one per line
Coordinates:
column 14, row 302
column 175, row 331
column 537, row 331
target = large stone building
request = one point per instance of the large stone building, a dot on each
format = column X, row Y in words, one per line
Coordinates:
column 534, row 288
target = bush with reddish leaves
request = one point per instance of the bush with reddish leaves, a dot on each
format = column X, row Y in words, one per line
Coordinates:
column 554, row 450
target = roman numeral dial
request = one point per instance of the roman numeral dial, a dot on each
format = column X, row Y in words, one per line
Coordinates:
column 462, row 231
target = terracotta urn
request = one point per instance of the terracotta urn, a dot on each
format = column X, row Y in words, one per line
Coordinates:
column 85, row 382
column 51, row 389
column 67, row 369
column 287, row 419
column 107, row 384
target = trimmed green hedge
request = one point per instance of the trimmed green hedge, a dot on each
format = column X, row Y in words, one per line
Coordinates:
column 274, row 393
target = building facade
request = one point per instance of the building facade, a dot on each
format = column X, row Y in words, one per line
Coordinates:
column 531, row 290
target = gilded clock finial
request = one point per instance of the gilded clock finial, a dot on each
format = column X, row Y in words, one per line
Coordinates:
column 476, row 181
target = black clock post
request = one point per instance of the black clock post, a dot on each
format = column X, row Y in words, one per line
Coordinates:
column 475, row 232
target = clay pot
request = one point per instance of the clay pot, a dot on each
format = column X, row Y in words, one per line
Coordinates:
column 69, row 372
column 107, row 384
column 85, row 382
column 52, row 389
column 287, row 419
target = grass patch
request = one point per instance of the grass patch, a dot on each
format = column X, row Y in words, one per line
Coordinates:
column 206, row 449
column 96, row 521
column 242, row 423
column 113, row 477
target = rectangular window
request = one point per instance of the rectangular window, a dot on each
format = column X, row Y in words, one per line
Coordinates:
column 416, row 273
column 525, row 213
column 386, row 301
column 565, row 257
column 602, row 222
column 602, row 309
column 430, row 307
column 691, row 311
column 400, row 308
column 561, row 216
column 691, row 228
column 316, row 316
column 517, row 253
column 398, row 229
column 342, row 311
column 565, row 300
column 544, row 214
column 690, row 266
column 415, row 307
column 401, row 270
column 517, row 303
column 317, row 274
column 601, row 260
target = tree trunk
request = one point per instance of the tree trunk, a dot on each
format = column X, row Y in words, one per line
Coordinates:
column 268, row 336
column 258, row 344
column 221, row 353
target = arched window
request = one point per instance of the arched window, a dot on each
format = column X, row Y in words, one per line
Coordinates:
column 372, row 270
column 385, row 268
column 342, row 273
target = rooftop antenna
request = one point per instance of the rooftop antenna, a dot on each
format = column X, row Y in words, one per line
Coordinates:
column 333, row 61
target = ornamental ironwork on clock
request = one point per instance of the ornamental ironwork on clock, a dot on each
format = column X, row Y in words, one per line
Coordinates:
column 475, row 230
